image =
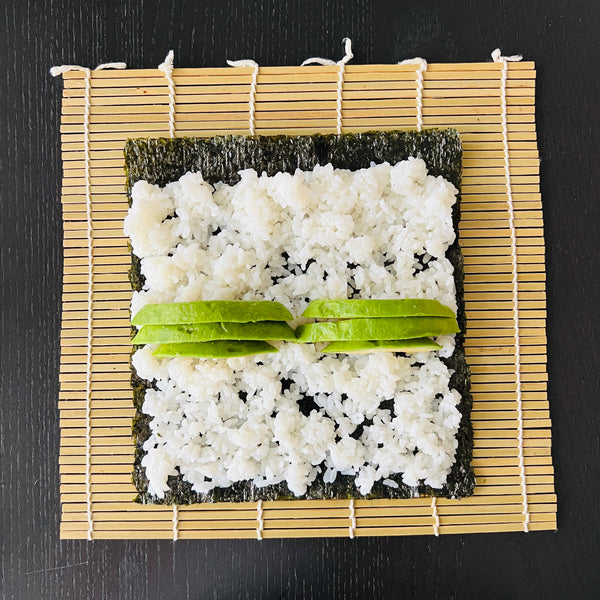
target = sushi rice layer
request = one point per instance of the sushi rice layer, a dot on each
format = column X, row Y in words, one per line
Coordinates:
column 380, row 232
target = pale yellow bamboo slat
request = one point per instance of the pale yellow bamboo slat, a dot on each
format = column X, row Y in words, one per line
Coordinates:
column 324, row 91
column 355, row 118
column 320, row 75
column 282, row 86
column 515, row 69
column 299, row 533
column 238, row 112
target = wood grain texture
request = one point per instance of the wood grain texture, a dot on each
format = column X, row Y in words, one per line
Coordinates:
column 559, row 36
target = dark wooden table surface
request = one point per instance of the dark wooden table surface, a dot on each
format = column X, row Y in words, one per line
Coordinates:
column 561, row 36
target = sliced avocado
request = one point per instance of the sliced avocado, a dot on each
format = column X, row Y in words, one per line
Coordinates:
column 344, row 309
column 218, row 349
column 211, row 311
column 363, row 347
column 207, row 332
column 385, row 328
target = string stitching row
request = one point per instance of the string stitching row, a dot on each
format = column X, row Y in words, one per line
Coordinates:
column 167, row 68
column 498, row 58
column 341, row 72
column 436, row 517
column 259, row 520
column 55, row 71
column 352, row 517
column 175, row 523
column 252, row 98
column 421, row 68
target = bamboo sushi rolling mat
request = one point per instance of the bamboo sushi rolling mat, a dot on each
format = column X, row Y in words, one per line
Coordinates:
column 491, row 104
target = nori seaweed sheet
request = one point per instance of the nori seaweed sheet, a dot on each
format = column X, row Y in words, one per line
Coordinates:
column 160, row 161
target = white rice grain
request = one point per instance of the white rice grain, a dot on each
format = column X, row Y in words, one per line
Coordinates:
column 325, row 233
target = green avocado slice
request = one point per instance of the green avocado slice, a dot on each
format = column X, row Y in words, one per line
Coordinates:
column 217, row 349
column 343, row 309
column 423, row 344
column 385, row 328
column 211, row 311
column 207, row 332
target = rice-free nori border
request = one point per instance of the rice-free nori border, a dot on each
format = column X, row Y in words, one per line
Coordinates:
column 160, row 161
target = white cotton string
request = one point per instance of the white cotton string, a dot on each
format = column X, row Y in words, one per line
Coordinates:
column 55, row 71
column 253, row 81
column 88, row 196
column 421, row 68
column 436, row 517
column 259, row 520
column 342, row 66
column 167, row 68
column 342, row 69
column 111, row 65
column 352, row 517
column 498, row 58
column 175, row 523
column 315, row 60
column 62, row 69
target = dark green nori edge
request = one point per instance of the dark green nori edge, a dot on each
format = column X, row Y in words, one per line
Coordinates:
column 160, row 161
